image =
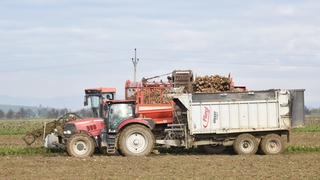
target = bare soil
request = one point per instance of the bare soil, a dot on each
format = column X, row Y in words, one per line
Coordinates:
column 301, row 165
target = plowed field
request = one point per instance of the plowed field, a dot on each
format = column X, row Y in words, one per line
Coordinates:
column 301, row 165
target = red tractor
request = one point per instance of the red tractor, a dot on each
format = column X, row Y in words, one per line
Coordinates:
column 119, row 130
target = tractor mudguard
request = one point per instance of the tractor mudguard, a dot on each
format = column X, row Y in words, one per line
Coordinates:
column 145, row 121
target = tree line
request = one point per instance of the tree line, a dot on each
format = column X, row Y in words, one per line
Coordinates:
column 312, row 111
column 49, row 113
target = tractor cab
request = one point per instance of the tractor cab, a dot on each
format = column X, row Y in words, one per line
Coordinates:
column 97, row 97
column 118, row 111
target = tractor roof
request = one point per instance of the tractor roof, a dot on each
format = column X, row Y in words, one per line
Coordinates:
column 100, row 89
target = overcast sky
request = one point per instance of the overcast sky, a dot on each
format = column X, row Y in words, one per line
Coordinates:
column 58, row 48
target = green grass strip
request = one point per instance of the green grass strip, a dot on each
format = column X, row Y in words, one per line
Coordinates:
column 302, row 149
column 308, row 128
column 26, row 151
column 17, row 130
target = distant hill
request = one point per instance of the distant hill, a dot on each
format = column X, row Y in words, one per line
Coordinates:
column 74, row 102
column 15, row 108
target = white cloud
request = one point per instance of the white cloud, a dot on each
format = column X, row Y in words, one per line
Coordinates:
column 261, row 43
column 287, row 10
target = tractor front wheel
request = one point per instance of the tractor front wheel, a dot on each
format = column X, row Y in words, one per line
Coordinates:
column 80, row 145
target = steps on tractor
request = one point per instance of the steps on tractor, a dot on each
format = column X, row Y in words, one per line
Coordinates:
column 111, row 138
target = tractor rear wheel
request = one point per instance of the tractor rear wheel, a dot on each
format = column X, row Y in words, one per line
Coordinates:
column 272, row 144
column 136, row 140
column 80, row 145
column 245, row 144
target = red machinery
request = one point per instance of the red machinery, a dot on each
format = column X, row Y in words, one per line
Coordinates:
column 234, row 88
column 130, row 126
column 150, row 100
column 149, row 95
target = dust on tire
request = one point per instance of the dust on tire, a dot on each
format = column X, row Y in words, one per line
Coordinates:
column 272, row 144
column 245, row 144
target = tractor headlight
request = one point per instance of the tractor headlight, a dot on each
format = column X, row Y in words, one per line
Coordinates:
column 67, row 132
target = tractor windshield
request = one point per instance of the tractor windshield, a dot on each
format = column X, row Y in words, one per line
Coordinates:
column 94, row 101
column 95, row 105
column 118, row 113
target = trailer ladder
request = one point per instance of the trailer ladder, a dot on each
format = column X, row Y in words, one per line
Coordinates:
column 177, row 132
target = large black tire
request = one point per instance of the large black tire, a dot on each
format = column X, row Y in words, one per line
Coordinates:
column 272, row 144
column 211, row 149
column 245, row 144
column 80, row 145
column 136, row 140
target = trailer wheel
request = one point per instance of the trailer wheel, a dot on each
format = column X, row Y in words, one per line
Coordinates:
column 245, row 144
column 136, row 140
column 272, row 144
column 80, row 145
column 212, row 149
